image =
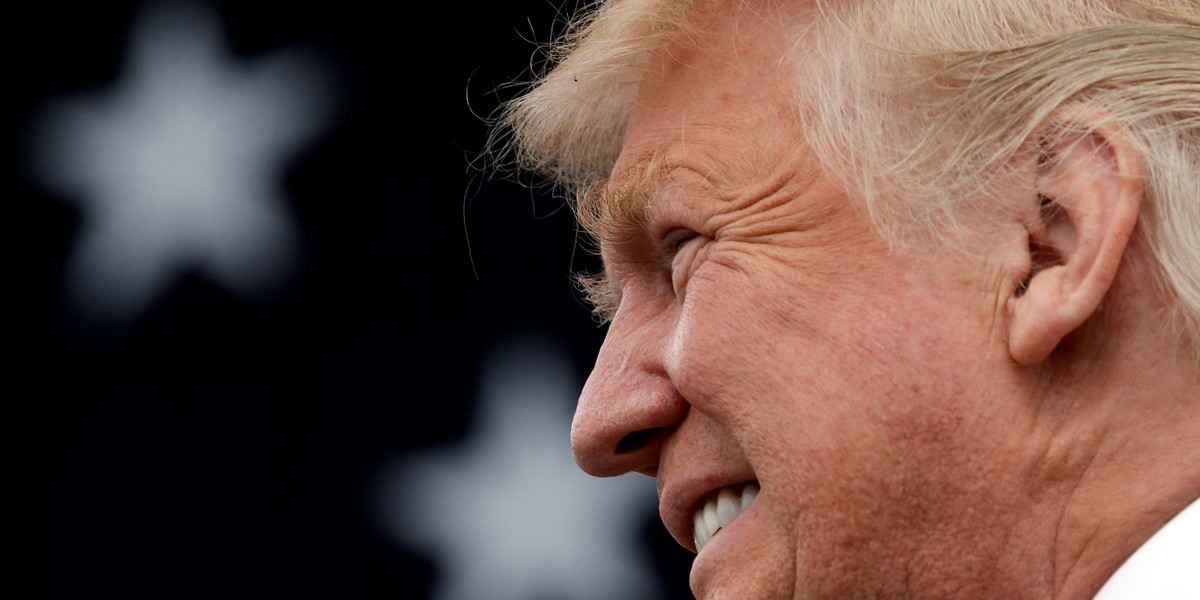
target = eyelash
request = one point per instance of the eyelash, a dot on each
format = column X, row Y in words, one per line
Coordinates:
column 674, row 264
column 677, row 238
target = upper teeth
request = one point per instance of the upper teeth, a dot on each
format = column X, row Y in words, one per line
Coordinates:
column 720, row 510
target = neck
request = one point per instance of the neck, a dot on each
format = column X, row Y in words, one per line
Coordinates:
column 1127, row 443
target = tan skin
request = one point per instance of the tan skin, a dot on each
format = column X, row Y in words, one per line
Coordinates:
column 918, row 428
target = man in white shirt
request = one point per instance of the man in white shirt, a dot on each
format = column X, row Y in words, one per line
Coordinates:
column 903, row 295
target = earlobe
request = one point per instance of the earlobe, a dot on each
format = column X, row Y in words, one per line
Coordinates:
column 1089, row 194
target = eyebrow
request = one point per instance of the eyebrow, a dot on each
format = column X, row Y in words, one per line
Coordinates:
column 613, row 211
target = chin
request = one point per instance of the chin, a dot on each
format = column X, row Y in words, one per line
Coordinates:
column 746, row 560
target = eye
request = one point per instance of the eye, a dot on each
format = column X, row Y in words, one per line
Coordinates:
column 683, row 245
column 679, row 237
column 676, row 238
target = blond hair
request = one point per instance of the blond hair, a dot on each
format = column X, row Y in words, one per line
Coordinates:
column 919, row 107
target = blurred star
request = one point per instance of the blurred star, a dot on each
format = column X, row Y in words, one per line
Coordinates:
column 508, row 515
column 180, row 165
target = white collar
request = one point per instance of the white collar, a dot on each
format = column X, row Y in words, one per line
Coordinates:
column 1166, row 567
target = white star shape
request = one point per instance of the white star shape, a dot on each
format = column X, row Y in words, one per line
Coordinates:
column 180, row 165
column 508, row 514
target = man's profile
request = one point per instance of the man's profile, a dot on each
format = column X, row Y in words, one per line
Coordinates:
column 903, row 296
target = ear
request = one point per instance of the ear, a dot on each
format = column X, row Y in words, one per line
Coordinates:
column 1089, row 192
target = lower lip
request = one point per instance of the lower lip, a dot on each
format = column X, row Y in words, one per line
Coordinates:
column 720, row 550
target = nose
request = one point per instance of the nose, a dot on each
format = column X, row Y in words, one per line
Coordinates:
column 628, row 406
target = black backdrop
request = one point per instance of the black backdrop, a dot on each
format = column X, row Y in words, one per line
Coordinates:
column 217, row 446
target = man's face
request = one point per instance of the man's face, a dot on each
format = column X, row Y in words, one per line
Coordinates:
column 766, row 335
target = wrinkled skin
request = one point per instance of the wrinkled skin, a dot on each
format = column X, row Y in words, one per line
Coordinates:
column 766, row 332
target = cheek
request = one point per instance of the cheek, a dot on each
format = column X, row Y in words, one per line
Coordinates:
column 852, row 395
column 737, row 337
column 764, row 325
column 841, row 367
column 782, row 368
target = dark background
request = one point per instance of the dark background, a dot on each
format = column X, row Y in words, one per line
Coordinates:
column 219, row 446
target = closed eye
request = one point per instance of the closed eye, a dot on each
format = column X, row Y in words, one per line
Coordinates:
column 683, row 259
column 676, row 238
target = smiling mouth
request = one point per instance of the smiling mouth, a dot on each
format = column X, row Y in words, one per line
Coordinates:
column 720, row 509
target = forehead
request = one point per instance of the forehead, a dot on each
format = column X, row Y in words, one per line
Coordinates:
column 716, row 99
column 721, row 72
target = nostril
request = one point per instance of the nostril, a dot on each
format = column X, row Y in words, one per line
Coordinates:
column 637, row 440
